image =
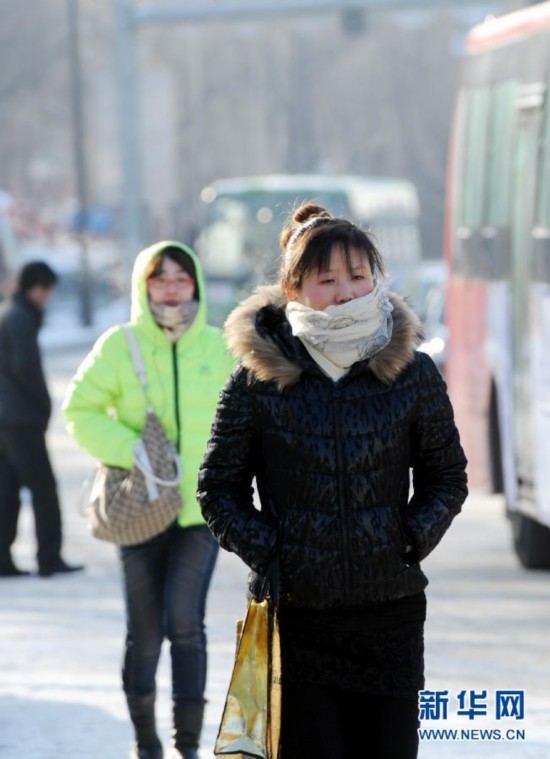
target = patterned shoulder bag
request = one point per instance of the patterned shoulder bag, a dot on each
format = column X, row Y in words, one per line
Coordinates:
column 127, row 507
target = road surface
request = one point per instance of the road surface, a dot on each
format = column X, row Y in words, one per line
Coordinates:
column 61, row 639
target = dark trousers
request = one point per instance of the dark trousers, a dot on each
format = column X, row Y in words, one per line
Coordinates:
column 24, row 462
column 329, row 723
column 166, row 581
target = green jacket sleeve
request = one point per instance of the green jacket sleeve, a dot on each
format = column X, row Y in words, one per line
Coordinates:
column 91, row 402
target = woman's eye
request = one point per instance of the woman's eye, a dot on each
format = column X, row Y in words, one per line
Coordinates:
column 327, row 281
column 359, row 276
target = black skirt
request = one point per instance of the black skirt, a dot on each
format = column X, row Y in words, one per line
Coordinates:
column 378, row 649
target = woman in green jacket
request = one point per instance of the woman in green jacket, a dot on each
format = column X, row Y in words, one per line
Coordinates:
column 166, row 579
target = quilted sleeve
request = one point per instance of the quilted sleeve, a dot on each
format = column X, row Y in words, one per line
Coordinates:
column 438, row 464
column 91, row 395
column 225, row 490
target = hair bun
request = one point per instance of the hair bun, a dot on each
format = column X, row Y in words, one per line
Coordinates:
column 308, row 211
column 305, row 214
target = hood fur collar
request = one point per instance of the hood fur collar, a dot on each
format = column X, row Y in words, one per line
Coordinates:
column 261, row 355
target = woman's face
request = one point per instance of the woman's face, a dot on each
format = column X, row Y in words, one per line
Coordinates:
column 172, row 286
column 337, row 285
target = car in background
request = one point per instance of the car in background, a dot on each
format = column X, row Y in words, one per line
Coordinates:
column 435, row 328
column 430, row 306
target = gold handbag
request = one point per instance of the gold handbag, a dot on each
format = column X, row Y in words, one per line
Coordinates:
column 251, row 719
column 131, row 506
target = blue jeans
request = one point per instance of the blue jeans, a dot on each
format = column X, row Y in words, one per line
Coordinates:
column 166, row 581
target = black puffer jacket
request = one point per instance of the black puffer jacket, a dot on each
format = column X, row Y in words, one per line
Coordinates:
column 332, row 462
column 24, row 396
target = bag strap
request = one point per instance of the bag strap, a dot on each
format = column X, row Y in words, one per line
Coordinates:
column 137, row 359
column 141, row 460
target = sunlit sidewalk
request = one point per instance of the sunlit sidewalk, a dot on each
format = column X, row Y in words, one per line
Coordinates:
column 60, row 655
column 61, row 638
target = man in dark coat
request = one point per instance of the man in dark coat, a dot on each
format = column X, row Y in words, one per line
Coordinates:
column 25, row 408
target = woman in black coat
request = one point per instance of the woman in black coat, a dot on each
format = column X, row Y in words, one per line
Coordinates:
column 330, row 410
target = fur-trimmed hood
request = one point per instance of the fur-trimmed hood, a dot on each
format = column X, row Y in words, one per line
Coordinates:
column 263, row 354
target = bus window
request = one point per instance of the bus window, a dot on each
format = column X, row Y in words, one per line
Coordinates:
column 223, row 240
column 472, row 146
column 473, row 190
column 501, row 133
column 543, row 210
column 495, row 237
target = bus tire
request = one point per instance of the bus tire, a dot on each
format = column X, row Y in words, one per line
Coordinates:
column 531, row 541
column 495, row 451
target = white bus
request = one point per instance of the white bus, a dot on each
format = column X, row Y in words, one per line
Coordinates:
column 239, row 242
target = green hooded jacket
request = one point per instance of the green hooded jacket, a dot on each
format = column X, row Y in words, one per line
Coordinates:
column 105, row 406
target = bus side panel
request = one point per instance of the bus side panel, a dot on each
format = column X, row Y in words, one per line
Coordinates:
column 541, row 391
column 469, row 374
column 499, row 351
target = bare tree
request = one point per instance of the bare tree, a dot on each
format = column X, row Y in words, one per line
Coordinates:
column 281, row 95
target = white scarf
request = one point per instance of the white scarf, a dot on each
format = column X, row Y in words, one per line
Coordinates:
column 175, row 320
column 341, row 335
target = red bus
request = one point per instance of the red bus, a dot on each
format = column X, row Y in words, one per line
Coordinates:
column 497, row 248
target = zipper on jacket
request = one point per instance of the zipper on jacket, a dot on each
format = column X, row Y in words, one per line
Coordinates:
column 336, row 407
column 176, row 393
